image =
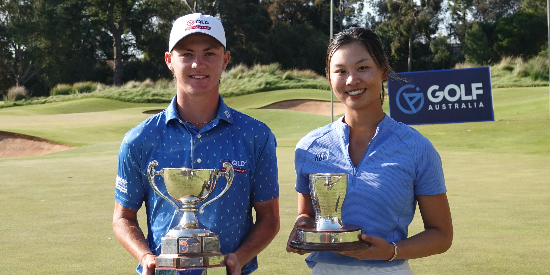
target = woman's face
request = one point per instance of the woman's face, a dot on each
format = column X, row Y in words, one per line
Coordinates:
column 355, row 78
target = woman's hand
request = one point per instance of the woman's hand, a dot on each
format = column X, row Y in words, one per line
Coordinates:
column 379, row 249
column 303, row 221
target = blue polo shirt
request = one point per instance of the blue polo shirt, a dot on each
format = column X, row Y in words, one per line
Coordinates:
column 235, row 137
column 399, row 163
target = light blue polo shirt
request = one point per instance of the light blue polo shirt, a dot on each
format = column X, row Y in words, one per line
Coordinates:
column 399, row 163
column 235, row 137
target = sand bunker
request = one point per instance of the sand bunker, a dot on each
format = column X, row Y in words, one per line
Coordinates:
column 14, row 145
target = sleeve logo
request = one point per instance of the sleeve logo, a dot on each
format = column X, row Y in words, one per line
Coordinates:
column 121, row 185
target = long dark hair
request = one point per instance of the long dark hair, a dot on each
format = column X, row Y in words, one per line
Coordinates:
column 368, row 38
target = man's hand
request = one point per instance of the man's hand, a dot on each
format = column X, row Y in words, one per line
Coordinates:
column 148, row 264
column 233, row 264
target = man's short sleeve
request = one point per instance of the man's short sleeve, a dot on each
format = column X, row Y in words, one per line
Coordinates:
column 129, row 190
column 266, row 182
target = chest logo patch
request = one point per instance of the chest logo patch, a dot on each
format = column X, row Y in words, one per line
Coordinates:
column 237, row 165
column 321, row 156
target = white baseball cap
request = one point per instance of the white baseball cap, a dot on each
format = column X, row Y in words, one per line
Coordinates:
column 196, row 23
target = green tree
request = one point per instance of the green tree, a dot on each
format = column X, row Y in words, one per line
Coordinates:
column 202, row 6
column 476, row 46
column 411, row 21
column 523, row 33
column 442, row 53
column 491, row 10
column 246, row 33
column 535, row 6
column 113, row 15
column 387, row 36
column 460, row 11
column 297, row 46
column 20, row 53
column 71, row 43
column 150, row 25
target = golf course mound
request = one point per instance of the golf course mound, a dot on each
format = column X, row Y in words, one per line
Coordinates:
column 14, row 145
column 302, row 105
column 310, row 106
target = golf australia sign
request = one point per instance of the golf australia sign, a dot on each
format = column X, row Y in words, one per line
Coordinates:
column 448, row 96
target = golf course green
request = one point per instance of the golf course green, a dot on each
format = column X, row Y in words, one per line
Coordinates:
column 56, row 209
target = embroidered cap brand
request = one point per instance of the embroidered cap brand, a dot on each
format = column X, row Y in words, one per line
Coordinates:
column 196, row 23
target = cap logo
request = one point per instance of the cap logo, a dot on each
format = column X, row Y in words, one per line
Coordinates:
column 198, row 21
column 198, row 27
column 191, row 24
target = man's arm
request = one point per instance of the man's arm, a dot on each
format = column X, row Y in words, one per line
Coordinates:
column 129, row 234
column 262, row 233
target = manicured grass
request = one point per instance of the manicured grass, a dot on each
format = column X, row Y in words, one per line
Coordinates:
column 57, row 209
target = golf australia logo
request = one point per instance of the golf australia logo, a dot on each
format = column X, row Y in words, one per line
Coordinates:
column 414, row 100
column 452, row 93
column 456, row 97
column 459, row 95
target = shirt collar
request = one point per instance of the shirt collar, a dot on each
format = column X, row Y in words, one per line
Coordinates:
column 224, row 112
column 341, row 126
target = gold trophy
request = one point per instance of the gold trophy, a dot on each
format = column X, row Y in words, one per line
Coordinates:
column 189, row 248
column 328, row 191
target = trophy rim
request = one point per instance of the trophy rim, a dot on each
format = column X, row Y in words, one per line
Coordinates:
column 348, row 227
column 327, row 174
column 198, row 232
column 194, row 169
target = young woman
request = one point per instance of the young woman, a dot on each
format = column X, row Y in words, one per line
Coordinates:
column 390, row 166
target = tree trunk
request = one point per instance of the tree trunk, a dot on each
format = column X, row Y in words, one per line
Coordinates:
column 117, row 42
column 410, row 49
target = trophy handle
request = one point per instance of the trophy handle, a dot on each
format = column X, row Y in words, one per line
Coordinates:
column 228, row 174
column 151, row 173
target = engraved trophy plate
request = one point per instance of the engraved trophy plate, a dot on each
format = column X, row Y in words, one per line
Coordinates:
column 189, row 248
column 328, row 192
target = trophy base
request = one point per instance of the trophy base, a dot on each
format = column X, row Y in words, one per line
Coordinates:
column 191, row 260
column 218, row 270
column 329, row 240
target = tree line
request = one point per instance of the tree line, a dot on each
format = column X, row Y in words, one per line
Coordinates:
column 47, row 42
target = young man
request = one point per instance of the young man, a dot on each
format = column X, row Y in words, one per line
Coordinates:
column 198, row 130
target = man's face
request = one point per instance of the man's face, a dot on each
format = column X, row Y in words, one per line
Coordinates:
column 197, row 62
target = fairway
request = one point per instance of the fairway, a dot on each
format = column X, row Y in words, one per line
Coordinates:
column 57, row 208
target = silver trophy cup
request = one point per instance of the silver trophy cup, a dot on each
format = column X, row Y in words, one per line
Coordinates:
column 328, row 192
column 189, row 248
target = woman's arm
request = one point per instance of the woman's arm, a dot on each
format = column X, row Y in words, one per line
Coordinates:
column 436, row 238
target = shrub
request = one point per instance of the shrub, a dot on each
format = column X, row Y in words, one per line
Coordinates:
column 521, row 70
column 62, row 89
column 148, row 83
column 84, row 87
column 465, row 65
column 17, row 93
column 506, row 64
column 132, row 84
column 538, row 68
column 165, row 84
column 288, row 75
